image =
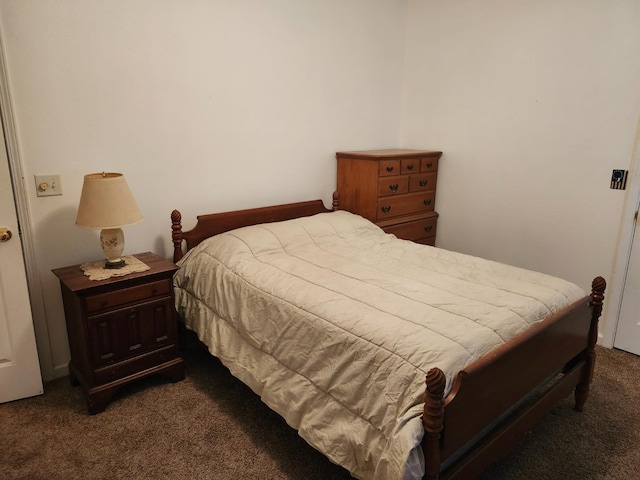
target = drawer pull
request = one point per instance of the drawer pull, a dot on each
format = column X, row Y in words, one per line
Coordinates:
column 429, row 165
column 422, row 183
column 427, row 202
column 409, row 167
column 389, row 168
column 393, row 187
column 133, row 313
column 428, row 228
column 386, row 209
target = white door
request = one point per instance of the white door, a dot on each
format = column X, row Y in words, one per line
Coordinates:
column 19, row 367
column 628, row 330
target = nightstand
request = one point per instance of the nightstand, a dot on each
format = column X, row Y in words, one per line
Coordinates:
column 120, row 329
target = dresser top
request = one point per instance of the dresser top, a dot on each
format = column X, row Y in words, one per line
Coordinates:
column 388, row 153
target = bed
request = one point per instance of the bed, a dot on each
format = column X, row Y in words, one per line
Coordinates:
column 395, row 360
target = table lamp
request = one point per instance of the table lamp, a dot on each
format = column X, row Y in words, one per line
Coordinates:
column 106, row 204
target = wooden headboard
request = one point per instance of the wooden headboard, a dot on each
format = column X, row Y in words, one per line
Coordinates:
column 216, row 223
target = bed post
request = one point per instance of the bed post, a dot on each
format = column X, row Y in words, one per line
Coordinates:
column 335, row 204
column 597, row 297
column 176, row 234
column 432, row 420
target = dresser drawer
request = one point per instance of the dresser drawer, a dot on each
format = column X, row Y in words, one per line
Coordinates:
column 409, row 165
column 422, row 181
column 393, row 185
column 106, row 301
column 427, row 241
column 428, row 164
column 416, row 230
column 405, row 204
column 388, row 167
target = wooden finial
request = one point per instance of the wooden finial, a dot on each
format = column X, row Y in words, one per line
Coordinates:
column 176, row 234
column 335, row 205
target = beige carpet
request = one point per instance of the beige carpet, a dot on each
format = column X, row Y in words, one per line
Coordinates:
column 210, row 426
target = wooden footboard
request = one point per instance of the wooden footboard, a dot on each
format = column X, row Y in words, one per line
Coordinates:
column 496, row 401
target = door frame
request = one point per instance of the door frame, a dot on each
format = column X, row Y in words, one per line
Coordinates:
column 613, row 304
column 26, row 232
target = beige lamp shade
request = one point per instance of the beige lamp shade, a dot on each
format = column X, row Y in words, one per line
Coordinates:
column 106, row 202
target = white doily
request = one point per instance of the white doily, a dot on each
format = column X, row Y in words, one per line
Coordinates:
column 96, row 270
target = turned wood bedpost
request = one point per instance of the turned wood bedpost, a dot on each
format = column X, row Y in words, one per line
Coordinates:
column 176, row 234
column 597, row 297
column 335, row 204
column 432, row 421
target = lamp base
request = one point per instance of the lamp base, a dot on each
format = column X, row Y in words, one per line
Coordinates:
column 112, row 243
column 114, row 265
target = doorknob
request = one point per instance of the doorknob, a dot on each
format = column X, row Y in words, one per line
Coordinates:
column 5, row 234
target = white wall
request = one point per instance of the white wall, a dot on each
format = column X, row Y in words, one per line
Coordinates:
column 204, row 105
column 211, row 105
column 533, row 104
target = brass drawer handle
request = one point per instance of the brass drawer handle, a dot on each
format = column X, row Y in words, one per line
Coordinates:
column 386, row 209
column 428, row 228
column 393, row 187
column 427, row 202
column 409, row 167
column 429, row 165
column 422, row 183
column 389, row 169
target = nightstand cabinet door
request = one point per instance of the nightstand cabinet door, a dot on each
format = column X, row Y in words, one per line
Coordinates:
column 395, row 189
column 131, row 331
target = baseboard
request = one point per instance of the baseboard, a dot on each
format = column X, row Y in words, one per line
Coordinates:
column 60, row 371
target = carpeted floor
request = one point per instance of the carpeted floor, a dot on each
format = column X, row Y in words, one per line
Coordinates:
column 210, row 426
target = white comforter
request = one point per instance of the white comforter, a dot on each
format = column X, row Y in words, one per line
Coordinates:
column 335, row 324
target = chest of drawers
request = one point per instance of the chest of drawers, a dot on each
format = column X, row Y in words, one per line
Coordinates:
column 120, row 329
column 395, row 189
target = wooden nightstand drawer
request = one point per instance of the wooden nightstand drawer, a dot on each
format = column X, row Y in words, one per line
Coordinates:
column 109, row 300
column 133, row 365
column 405, row 204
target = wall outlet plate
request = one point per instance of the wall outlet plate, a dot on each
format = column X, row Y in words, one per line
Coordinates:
column 48, row 185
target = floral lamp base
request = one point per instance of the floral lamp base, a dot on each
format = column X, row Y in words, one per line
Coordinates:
column 112, row 243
